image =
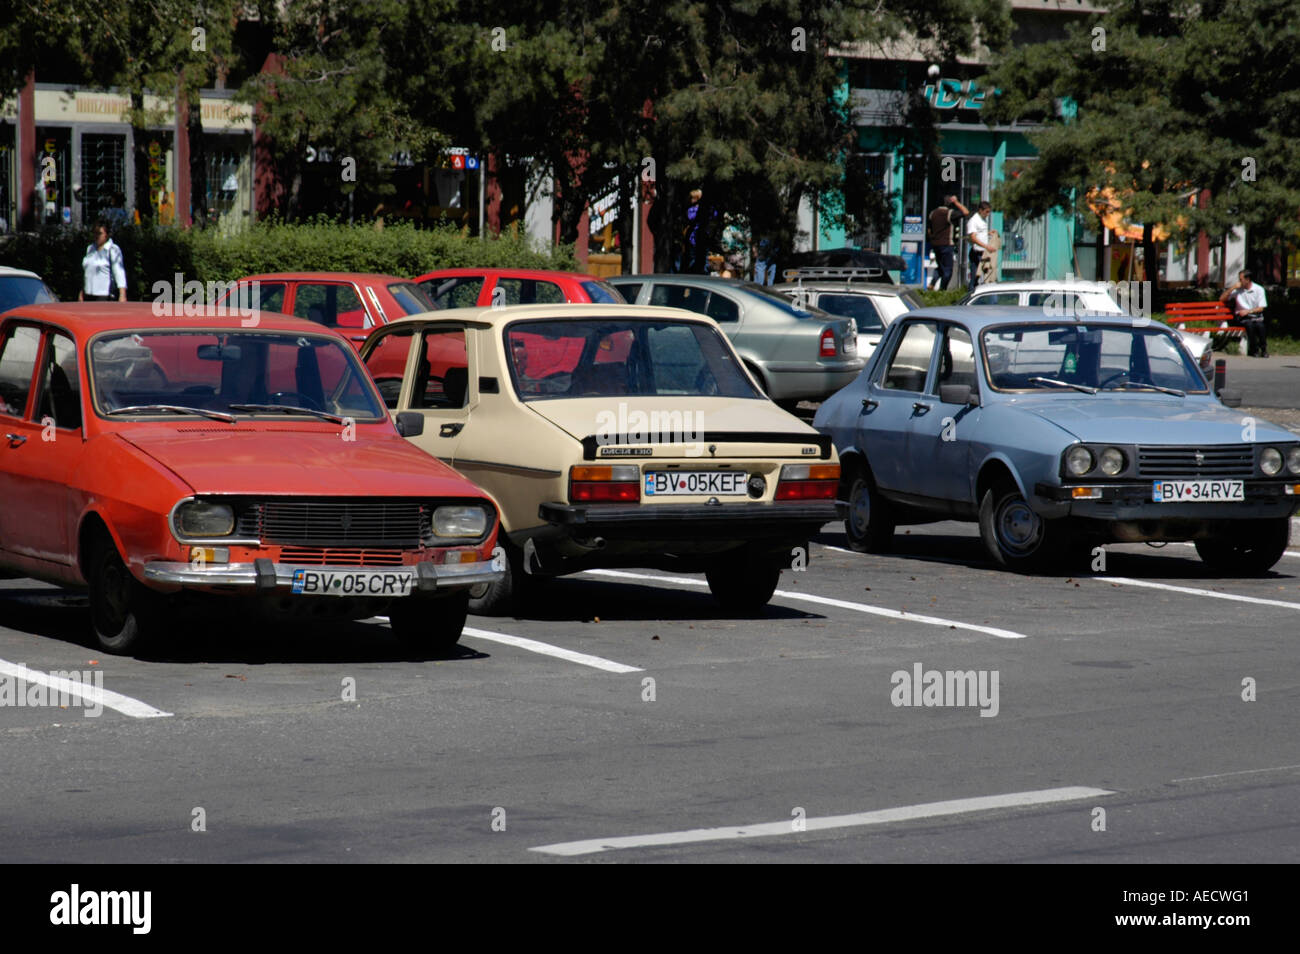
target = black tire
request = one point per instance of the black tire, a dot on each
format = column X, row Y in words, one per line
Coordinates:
column 125, row 615
column 743, row 585
column 1251, row 549
column 429, row 624
column 1018, row 538
column 869, row 524
column 509, row 594
column 790, row 405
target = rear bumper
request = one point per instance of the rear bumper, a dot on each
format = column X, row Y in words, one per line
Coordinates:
column 789, row 381
column 702, row 522
column 264, row 576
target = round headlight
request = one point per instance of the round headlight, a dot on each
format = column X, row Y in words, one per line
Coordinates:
column 1079, row 460
column 460, row 522
column 1270, row 461
column 1293, row 459
column 1112, row 461
column 198, row 518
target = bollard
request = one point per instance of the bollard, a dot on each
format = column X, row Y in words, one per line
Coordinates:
column 1220, row 374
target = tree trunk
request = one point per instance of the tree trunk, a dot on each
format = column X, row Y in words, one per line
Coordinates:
column 198, row 162
column 1149, row 263
column 140, row 160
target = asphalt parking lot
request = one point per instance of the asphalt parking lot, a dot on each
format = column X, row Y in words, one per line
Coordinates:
column 629, row 720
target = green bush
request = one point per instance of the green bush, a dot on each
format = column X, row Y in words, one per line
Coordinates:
column 157, row 254
column 937, row 297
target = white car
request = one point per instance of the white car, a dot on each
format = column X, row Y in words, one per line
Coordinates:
column 1083, row 298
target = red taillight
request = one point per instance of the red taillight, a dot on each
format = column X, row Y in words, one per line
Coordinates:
column 808, row 482
column 619, row 483
column 828, row 344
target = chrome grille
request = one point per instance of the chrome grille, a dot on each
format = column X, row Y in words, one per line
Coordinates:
column 322, row 556
column 336, row 523
column 1223, row 460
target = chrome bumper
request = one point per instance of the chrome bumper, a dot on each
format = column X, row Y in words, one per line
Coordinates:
column 265, row 576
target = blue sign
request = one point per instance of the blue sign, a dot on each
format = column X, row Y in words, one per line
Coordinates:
column 471, row 162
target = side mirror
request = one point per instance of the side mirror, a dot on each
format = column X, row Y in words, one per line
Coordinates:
column 958, row 394
column 1230, row 397
column 410, row 423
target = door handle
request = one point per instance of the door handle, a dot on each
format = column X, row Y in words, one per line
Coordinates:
column 920, row 408
column 357, row 337
column 16, row 438
column 869, row 404
column 450, row 430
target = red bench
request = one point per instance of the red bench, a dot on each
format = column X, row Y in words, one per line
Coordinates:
column 1204, row 317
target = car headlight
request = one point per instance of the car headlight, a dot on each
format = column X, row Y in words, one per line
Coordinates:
column 1270, row 461
column 460, row 522
column 1112, row 461
column 199, row 518
column 1293, row 459
column 1079, row 460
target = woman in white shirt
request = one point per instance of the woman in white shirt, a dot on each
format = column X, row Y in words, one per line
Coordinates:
column 103, row 268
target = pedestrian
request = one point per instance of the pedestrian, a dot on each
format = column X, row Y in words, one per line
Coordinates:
column 939, row 235
column 116, row 215
column 103, row 268
column 1248, row 302
column 696, row 234
column 977, row 232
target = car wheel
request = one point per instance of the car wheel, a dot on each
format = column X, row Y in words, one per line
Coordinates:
column 869, row 525
column 508, row 594
column 1016, row 536
column 1250, row 550
column 429, row 624
column 741, row 584
column 124, row 613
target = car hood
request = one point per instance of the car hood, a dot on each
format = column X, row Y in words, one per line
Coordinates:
column 246, row 460
column 1150, row 419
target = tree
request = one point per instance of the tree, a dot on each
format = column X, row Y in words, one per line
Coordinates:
column 1172, row 97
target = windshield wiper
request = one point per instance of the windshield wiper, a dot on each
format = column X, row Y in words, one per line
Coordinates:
column 1150, row 387
column 1064, row 384
column 175, row 409
column 289, row 409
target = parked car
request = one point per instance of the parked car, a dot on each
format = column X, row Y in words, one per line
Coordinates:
column 147, row 456
column 871, row 305
column 21, row 287
column 793, row 353
column 872, row 264
column 481, row 287
column 1072, row 298
column 1056, row 434
column 612, row 436
column 352, row 303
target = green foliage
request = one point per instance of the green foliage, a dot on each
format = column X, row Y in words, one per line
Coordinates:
column 939, row 297
column 157, row 254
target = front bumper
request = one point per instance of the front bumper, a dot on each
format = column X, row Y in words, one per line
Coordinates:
column 265, row 576
column 702, row 522
column 1133, row 500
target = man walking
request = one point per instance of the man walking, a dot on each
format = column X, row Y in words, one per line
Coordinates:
column 939, row 235
column 104, row 271
column 977, row 232
column 1248, row 304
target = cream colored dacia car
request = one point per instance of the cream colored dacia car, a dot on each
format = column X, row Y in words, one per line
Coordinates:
column 610, row 436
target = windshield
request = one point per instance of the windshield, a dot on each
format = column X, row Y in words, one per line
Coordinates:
column 214, row 370
column 18, row 290
column 411, row 297
column 622, row 358
column 1056, row 357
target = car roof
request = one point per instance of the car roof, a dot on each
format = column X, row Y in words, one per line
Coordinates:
column 577, row 311
column 91, row 317
column 871, row 288
column 1073, row 284
column 978, row 317
column 7, row 271
column 540, row 273
column 324, row 276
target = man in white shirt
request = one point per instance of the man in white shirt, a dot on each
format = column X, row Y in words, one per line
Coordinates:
column 103, row 269
column 977, row 233
column 1248, row 303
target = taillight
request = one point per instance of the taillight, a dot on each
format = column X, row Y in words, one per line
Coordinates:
column 605, row 484
column 828, row 344
column 808, row 482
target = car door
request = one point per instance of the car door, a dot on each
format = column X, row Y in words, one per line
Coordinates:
column 442, row 387
column 336, row 305
column 894, row 397
column 939, row 442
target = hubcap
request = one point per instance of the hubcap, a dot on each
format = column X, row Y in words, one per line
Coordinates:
column 115, row 585
column 1019, row 529
column 860, row 509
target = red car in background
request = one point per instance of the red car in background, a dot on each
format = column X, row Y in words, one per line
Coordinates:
column 467, row 287
column 351, row 303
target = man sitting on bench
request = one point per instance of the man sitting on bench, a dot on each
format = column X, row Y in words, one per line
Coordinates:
column 1247, row 304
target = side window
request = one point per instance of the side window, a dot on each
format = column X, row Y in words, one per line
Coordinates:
column 997, row 298
column 911, row 361
column 722, row 309
column 530, row 291
column 1057, row 303
column 603, row 294
column 680, row 296
column 411, row 297
column 442, row 373
column 387, row 364
column 454, row 292
column 332, row 305
column 858, row 307
column 630, row 291
column 17, row 364
column 956, row 359
column 61, row 383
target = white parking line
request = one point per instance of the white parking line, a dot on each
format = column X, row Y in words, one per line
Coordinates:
column 89, row 695
column 829, row 601
column 546, row 649
column 885, row 816
column 1194, row 591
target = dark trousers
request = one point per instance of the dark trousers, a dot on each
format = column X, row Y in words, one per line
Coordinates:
column 943, row 258
column 1256, row 338
column 976, row 255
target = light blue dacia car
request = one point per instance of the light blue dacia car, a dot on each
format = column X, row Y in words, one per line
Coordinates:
column 1056, row 434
